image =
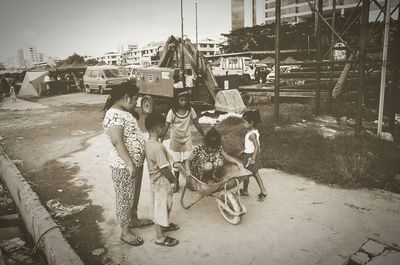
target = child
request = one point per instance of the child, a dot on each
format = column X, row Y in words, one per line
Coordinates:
column 179, row 117
column 161, row 179
column 206, row 162
column 251, row 153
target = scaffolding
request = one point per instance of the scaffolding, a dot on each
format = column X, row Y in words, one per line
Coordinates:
column 358, row 55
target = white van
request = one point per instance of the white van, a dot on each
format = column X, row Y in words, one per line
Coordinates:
column 101, row 77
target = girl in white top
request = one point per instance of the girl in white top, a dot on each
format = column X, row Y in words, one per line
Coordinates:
column 251, row 153
column 178, row 118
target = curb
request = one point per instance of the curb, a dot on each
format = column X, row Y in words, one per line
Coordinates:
column 37, row 220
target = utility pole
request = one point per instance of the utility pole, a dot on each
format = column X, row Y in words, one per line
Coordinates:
column 361, row 64
column 182, row 43
column 254, row 12
column 384, row 64
column 277, row 59
column 197, row 43
column 318, row 46
column 331, row 86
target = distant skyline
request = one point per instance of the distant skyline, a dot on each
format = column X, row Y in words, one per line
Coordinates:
column 59, row 28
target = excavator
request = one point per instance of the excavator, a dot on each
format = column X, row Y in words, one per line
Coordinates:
column 156, row 83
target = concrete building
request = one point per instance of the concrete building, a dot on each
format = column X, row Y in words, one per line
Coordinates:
column 295, row 11
column 237, row 14
column 209, row 47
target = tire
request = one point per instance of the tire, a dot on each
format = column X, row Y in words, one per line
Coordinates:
column 88, row 90
column 148, row 104
column 234, row 205
column 247, row 98
column 101, row 90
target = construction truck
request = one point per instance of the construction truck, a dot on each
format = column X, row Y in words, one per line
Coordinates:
column 156, row 83
column 241, row 66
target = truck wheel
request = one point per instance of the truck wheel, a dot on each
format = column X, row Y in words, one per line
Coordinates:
column 247, row 98
column 147, row 104
column 88, row 89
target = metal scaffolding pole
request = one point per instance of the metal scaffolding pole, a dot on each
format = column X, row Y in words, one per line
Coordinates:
column 331, row 85
column 361, row 64
column 384, row 64
column 318, row 46
column 277, row 59
column 182, row 43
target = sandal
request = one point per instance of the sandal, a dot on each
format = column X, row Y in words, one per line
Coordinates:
column 261, row 197
column 142, row 222
column 243, row 193
column 168, row 242
column 134, row 242
column 171, row 227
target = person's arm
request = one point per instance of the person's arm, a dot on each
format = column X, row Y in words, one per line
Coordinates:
column 198, row 127
column 167, row 124
column 230, row 159
column 166, row 172
column 187, row 164
column 116, row 135
column 253, row 138
column 195, row 120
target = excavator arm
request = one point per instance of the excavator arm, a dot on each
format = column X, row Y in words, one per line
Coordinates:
column 173, row 46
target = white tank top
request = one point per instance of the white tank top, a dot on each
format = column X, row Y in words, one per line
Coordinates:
column 249, row 147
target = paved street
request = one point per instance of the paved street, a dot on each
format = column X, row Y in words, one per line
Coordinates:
column 299, row 223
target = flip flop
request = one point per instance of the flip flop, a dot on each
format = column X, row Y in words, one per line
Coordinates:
column 168, row 242
column 261, row 197
column 171, row 227
column 134, row 243
column 143, row 222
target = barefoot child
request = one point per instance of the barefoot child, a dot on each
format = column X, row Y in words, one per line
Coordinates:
column 251, row 153
column 161, row 179
column 179, row 117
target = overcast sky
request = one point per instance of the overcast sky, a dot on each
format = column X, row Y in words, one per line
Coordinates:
column 92, row 27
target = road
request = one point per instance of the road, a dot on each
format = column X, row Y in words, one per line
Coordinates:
column 64, row 155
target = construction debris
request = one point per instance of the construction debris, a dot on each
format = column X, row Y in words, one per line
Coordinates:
column 60, row 211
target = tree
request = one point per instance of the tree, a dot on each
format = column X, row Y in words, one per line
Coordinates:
column 92, row 62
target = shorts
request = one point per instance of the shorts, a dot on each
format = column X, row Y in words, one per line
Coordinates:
column 162, row 198
column 253, row 168
column 178, row 157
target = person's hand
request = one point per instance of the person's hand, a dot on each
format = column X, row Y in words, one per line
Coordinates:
column 131, row 169
column 252, row 161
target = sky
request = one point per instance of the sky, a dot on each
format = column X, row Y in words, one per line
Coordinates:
column 59, row 28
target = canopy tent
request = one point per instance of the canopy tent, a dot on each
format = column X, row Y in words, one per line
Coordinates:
column 290, row 60
column 75, row 66
column 32, row 84
column 268, row 60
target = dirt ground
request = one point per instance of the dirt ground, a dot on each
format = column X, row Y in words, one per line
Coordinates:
column 64, row 155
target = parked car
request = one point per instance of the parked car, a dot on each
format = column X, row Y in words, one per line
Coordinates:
column 100, row 78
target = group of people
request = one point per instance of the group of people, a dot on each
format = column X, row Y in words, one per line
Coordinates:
column 129, row 150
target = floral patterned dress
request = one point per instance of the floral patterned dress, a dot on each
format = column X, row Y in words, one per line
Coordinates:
column 201, row 161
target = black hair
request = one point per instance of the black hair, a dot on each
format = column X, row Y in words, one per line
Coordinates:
column 252, row 116
column 118, row 91
column 213, row 138
column 175, row 100
column 153, row 121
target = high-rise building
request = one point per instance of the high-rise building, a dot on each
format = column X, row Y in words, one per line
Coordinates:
column 294, row 11
column 237, row 14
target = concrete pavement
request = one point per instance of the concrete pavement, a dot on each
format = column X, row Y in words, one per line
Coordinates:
column 300, row 222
